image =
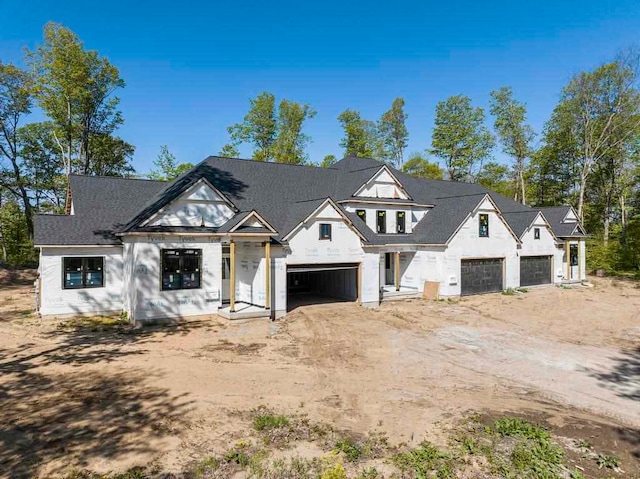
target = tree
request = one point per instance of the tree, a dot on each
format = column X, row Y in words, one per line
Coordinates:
column 290, row 142
column 514, row 134
column 328, row 161
column 43, row 167
column 229, row 151
column 15, row 103
column 597, row 113
column 419, row 167
column 75, row 87
column 360, row 136
column 393, row 132
column 496, row 177
column 168, row 166
column 259, row 127
column 460, row 137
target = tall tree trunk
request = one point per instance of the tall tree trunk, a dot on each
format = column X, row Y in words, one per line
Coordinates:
column 3, row 240
column 523, row 198
column 583, row 186
column 623, row 213
column 606, row 221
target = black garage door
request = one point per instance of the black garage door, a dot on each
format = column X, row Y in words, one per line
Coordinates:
column 481, row 276
column 535, row 270
column 321, row 283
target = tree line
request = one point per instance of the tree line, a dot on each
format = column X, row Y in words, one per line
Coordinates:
column 587, row 154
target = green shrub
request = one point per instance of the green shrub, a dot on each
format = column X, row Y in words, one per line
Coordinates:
column 609, row 461
column 423, row 460
column 351, row 449
column 513, row 426
column 266, row 422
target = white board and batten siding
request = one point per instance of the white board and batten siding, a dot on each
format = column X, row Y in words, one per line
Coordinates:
column 57, row 301
column 382, row 185
column 467, row 244
column 199, row 204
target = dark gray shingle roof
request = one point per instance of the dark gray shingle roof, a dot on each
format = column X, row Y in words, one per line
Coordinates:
column 555, row 216
column 283, row 194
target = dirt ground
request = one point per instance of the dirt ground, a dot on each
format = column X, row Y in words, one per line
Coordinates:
column 108, row 397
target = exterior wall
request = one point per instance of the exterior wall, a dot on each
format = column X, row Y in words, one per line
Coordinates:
column 382, row 185
column 55, row 300
column 545, row 246
column 345, row 246
column 426, row 264
column 250, row 272
column 466, row 244
column 197, row 205
column 148, row 301
column 372, row 211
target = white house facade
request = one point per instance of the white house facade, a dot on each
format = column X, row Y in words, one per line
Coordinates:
column 240, row 238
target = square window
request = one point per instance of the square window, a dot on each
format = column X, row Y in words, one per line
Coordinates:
column 325, row 231
column 82, row 272
column 483, row 231
column 181, row 269
column 536, row 233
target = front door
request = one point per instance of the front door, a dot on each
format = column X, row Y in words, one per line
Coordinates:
column 573, row 261
column 226, row 273
column 388, row 269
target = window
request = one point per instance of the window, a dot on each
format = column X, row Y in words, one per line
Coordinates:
column 536, row 233
column 362, row 214
column 382, row 221
column 325, row 231
column 83, row 272
column 484, row 226
column 226, row 262
column 181, row 268
column 400, row 221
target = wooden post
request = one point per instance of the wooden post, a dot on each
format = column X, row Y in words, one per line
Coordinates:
column 232, row 277
column 397, row 271
column 567, row 248
column 580, row 265
column 360, row 284
column 267, row 278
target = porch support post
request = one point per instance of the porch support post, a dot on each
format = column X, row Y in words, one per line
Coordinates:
column 580, row 265
column 267, row 278
column 567, row 248
column 232, row 277
column 396, row 271
column 360, row 283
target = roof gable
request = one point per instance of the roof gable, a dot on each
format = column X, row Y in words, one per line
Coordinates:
column 328, row 210
column 383, row 184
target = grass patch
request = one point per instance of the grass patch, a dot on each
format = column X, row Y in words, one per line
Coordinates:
column 608, row 461
column 266, row 422
column 94, row 323
column 509, row 292
column 425, row 461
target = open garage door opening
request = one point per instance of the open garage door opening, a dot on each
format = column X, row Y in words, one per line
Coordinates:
column 480, row 276
column 535, row 270
column 321, row 283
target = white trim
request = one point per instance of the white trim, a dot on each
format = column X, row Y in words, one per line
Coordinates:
column 334, row 206
column 186, row 191
column 548, row 225
column 78, row 246
column 378, row 171
column 253, row 213
column 382, row 202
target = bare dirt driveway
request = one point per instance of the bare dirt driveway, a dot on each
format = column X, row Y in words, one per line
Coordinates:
column 108, row 397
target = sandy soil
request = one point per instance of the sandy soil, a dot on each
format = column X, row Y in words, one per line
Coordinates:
column 110, row 398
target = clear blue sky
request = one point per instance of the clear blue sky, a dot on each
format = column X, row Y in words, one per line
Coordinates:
column 191, row 67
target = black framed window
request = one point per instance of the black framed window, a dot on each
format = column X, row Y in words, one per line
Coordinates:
column 181, row 268
column 83, row 272
column 325, row 231
column 483, row 231
column 362, row 214
column 381, row 222
column 400, row 222
column 536, row 233
column 573, row 255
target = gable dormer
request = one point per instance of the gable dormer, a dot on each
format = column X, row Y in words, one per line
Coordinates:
column 570, row 217
column 200, row 205
column 383, row 184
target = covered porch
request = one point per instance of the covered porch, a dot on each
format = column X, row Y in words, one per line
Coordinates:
column 246, row 278
column 391, row 286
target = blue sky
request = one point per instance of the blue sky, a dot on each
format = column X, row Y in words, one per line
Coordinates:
column 191, row 67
